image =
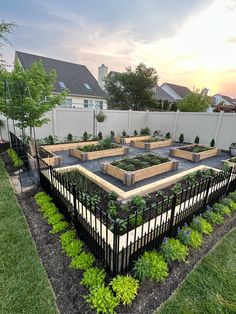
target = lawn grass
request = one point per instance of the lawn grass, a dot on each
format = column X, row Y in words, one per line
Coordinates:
column 24, row 286
column 211, row 287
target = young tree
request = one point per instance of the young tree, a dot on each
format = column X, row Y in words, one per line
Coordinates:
column 194, row 102
column 29, row 95
column 2, row 124
column 132, row 89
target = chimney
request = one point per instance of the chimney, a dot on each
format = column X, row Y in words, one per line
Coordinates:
column 102, row 74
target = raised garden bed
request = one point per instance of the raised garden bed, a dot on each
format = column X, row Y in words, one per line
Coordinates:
column 127, row 140
column 67, row 146
column 152, row 143
column 135, row 169
column 194, row 152
column 48, row 157
column 231, row 162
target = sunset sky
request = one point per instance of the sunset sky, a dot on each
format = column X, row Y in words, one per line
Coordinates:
column 188, row 42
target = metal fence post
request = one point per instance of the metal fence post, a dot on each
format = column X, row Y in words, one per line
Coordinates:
column 228, row 183
column 207, row 191
column 74, row 206
column 115, row 248
column 50, row 174
column 172, row 216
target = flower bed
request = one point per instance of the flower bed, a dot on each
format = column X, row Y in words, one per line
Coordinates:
column 194, row 152
column 127, row 140
column 135, row 169
column 152, row 143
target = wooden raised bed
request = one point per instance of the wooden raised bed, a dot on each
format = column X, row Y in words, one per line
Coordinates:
column 48, row 157
column 67, row 146
column 195, row 157
column 126, row 140
column 147, row 146
column 99, row 154
column 228, row 163
column 131, row 177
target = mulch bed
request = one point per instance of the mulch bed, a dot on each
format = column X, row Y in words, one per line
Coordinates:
column 66, row 282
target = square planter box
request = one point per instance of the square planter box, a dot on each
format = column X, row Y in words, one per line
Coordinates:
column 126, row 140
column 228, row 163
column 195, row 157
column 147, row 146
column 131, row 177
column 99, row 154
column 48, row 157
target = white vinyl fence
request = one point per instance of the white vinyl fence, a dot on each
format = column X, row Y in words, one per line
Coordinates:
column 220, row 126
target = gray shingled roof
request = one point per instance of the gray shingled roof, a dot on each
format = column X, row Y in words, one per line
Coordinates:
column 74, row 76
column 182, row 91
column 162, row 95
column 229, row 99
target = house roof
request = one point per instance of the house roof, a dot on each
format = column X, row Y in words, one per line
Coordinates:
column 75, row 77
column 182, row 91
column 163, row 95
column 229, row 99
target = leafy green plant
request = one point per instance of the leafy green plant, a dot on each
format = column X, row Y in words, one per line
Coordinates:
column 213, row 217
column 85, row 137
column 151, row 266
column 135, row 133
column 69, row 137
column 136, row 221
column 232, row 196
column 177, row 188
column 42, row 198
column 139, row 202
column 49, row 210
column 73, row 248
column 212, row 143
column 93, row 277
column 201, row 225
column 59, row 226
column 197, row 139
column 125, row 288
column 102, row 300
column 229, row 203
column 112, row 134
column 101, row 117
column 112, row 209
column 190, row 237
column 54, row 219
column 67, row 237
column 16, row 160
column 100, row 135
column 190, row 179
column 172, row 250
column 222, row 209
column 167, row 135
column 124, row 134
column 145, row 131
column 112, row 196
column 181, row 138
column 82, row 261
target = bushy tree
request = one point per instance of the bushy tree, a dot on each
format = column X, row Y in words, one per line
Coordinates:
column 132, row 89
column 194, row 102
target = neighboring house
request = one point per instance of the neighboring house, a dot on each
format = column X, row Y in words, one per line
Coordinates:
column 177, row 92
column 162, row 95
column 223, row 99
column 83, row 88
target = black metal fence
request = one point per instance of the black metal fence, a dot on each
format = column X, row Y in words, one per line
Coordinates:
column 117, row 244
column 20, row 148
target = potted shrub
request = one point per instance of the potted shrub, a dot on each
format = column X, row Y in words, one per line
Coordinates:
column 101, row 117
column 232, row 149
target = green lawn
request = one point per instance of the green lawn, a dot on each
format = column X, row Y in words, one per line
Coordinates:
column 24, row 287
column 211, row 287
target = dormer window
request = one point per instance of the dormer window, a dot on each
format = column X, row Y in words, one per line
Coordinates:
column 87, row 86
column 62, row 85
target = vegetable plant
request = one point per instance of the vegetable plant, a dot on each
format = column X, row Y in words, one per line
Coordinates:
column 125, row 288
column 151, row 265
column 93, row 277
column 139, row 202
column 173, row 250
column 177, row 188
column 102, row 300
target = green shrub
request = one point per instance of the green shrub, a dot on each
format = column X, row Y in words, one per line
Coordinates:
column 112, row 134
column 48, row 210
column 181, row 138
column 60, row 226
column 125, row 288
column 167, row 135
column 151, row 266
column 73, row 248
column 172, row 250
column 212, row 143
column 222, row 209
column 213, row 217
column 145, row 131
column 69, row 137
column 102, row 300
column 230, row 203
column 190, row 237
column 93, row 277
column 197, row 139
column 54, row 219
column 41, row 198
column 201, row 225
column 100, row 135
column 135, row 133
column 82, row 261
column 16, row 160
column 85, row 137
column 232, row 196
column 67, row 237
column 139, row 202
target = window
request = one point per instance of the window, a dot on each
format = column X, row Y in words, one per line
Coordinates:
column 99, row 104
column 88, row 103
column 87, row 86
column 62, row 85
column 66, row 103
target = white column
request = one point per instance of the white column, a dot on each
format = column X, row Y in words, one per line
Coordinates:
column 175, row 124
column 218, row 125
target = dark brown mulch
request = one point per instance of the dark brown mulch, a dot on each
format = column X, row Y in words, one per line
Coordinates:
column 66, row 282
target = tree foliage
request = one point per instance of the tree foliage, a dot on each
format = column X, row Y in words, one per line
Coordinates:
column 5, row 29
column 29, row 94
column 132, row 89
column 194, row 102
